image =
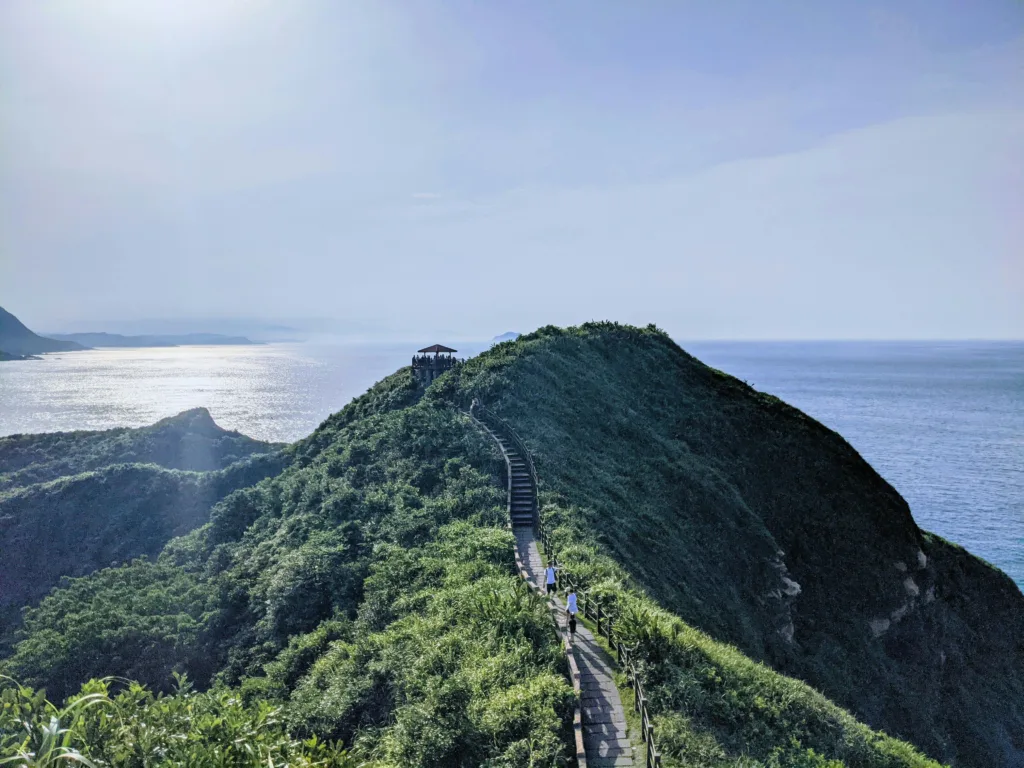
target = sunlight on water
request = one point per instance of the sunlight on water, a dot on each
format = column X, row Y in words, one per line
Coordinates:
column 277, row 392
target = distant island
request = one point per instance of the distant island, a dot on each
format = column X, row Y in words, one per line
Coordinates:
column 153, row 340
column 508, row 336
column 7, row 356
column 17, row 342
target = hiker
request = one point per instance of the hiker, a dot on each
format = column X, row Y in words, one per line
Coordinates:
column 549, row 574
column 571, row 609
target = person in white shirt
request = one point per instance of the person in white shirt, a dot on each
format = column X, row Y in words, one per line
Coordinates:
column 549, row 577
column 571, row 610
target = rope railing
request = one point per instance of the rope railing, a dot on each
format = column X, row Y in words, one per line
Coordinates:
column 591, row 608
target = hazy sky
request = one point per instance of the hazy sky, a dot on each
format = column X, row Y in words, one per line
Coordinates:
column 822, row 169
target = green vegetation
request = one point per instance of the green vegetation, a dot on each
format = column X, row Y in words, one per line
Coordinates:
column 366, row 594
column 100, row 511
column 134, row 728
column 189, row 441
column 368, row 591
column 714, row 706
column 76, row 525
column 756, row 524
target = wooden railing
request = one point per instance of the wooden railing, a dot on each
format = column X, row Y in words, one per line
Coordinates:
column 591, row 608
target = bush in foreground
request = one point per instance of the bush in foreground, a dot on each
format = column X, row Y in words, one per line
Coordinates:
column 135, row 728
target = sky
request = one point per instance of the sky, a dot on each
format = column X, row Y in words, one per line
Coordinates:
column 727, row 169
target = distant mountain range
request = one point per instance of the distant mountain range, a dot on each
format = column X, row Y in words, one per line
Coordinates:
column 17, row 341
column 154, row 340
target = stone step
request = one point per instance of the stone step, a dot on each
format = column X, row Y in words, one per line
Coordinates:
column 605, row 713
column 608, row 731
column 605, row 733
column 599, row 748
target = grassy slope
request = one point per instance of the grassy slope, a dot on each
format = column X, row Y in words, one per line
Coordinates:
column 369, row 589
column 718, row 500
column 76, row 525
column 73, row 502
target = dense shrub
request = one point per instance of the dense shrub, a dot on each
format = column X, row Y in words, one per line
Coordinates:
column 132, row 728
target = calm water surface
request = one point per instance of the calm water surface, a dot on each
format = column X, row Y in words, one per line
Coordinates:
column 944, row 423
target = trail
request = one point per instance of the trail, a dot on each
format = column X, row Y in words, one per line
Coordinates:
column 605, row 735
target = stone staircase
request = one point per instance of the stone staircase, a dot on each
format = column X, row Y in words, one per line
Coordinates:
column 522, row 479
column 604, row 733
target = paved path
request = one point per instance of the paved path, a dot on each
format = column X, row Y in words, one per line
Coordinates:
column 605, row 734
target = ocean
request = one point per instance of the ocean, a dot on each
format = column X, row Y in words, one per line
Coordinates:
column 943, row 422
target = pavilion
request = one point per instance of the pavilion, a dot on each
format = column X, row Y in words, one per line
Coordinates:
column 431, row 362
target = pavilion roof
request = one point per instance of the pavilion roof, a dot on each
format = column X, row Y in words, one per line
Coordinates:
column 437, row 348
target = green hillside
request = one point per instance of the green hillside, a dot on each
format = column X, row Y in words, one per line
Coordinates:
column 191, row 441
column 755, row 523
column 71, row 503
column 369, row 587
column 367, row 592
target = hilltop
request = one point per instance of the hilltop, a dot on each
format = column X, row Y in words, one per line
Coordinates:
column 368, row 588
column 18, row 341
column 752, row 521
